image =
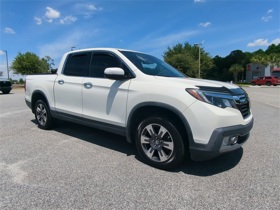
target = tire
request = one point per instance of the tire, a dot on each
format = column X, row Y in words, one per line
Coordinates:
column 253, row 83
column 6, row 91
column 159, row 143
column 43, row 116
column 268, row 83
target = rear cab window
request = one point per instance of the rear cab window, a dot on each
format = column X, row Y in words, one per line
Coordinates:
column 77, row 64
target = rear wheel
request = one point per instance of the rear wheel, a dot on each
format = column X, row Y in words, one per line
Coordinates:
column 253, row 83
column 268, row 83
column 159, row 143
column 42, row 115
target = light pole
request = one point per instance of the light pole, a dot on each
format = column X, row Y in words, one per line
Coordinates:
column 7, row 62
column 72, row 48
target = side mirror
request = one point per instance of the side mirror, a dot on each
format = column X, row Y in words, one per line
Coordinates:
column 53, row 71
column 114, row 73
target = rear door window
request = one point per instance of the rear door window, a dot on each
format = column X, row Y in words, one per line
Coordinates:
column 77, row 64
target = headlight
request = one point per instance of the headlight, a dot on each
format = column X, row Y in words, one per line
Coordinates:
column 219, row 99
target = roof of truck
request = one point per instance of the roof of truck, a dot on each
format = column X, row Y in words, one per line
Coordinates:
column 103, row 48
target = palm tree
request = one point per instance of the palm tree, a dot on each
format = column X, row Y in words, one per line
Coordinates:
column 261, row 60
column 235, row 69
column 274, row 60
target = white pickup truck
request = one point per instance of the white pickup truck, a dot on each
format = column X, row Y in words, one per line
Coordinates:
column 168, row 116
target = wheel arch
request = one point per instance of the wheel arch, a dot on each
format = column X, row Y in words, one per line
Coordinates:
column 148, row 108
column 38, row 95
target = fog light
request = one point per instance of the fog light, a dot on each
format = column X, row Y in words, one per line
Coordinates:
column 233, row 140
column 230, row 140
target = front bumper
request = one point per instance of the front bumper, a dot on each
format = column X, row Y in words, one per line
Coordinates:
column 215, row 147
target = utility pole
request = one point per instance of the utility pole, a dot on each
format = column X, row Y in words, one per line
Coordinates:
column 7, row 63
column 199, row 46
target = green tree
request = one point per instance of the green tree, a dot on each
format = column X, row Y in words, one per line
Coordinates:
column 30, row 63
column 269, row 57
column 273, row 49
column 48, row 62
column 261, row 59
column 220, row 71
column 235, row 69
column 184, row 57
column 20, row 81
column 274, row 59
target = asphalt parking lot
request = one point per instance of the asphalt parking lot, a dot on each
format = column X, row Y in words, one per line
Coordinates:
column 75, row 167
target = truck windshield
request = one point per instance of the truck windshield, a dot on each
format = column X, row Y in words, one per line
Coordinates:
column 151, row 65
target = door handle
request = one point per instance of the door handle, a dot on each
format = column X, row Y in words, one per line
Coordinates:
column 61, row 82
column 88, row 85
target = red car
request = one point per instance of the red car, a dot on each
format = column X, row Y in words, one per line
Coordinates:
column 266, row 81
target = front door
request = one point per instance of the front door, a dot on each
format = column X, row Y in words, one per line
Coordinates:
column 104, row 100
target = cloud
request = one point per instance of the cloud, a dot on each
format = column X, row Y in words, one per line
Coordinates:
column 2, row 52
column 266, row 18
column 54, row 16
column 199, row 1
column 276, row 41
column 206, row 24
column 270, row 11
column 68, row 20
column 263, row 42
column 160, row 43
column 52, row 13
column 174, row 38
column 9, row 31
column 87, row 10
column 38, row 20
column 62, row 44
column 91, row 7
column 259, row 42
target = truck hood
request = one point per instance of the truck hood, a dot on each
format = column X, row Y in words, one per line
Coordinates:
column 193, row 82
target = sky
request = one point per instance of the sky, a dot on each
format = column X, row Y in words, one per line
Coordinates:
column 51, row 28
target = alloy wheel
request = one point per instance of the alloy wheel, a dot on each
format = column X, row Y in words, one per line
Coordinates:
column 41, row 114
column 157, row 142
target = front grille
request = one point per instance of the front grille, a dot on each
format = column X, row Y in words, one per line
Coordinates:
column 243, row 104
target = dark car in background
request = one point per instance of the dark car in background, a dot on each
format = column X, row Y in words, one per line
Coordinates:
column 5, row 86
column 266, row 81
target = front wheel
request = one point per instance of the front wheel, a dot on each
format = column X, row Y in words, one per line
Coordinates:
column 43, row 116
column 159, row 143
column 268, row 83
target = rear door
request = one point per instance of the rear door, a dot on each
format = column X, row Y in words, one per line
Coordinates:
column 69, row 85
column 105, row 100
column 262, row 81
